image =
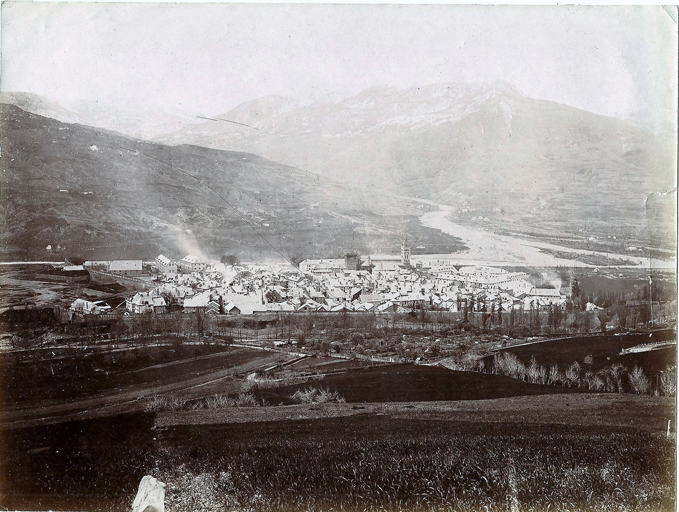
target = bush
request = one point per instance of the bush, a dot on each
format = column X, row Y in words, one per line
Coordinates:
column 317, row 396
column 164, row 403
column 254, row 382
column 668, row 381
column 222, row 401
column 356, row 338
column 573, row 374
column 638, row 382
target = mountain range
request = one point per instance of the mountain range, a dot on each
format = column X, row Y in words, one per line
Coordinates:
column 141, row 125
column 342, row 173
column 486, row 149
column 101, row 195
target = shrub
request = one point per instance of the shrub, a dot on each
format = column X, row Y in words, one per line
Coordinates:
column 573, row 374
column 638, row 382
column 222, row 401
column 668, row 381
column 255, row 382
column 356, row 338
column 164, row 403
column 317, row 396
column 217, row 402
column 247, row 400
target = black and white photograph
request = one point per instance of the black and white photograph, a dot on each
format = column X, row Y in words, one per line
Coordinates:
column 305, row 257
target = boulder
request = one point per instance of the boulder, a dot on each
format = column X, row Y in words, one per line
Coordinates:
column 150, row 496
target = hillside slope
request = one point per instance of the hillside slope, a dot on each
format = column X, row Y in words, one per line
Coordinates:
column 102, row 195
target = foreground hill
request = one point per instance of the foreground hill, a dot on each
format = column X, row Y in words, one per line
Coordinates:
column 486, row 149
column 99, row 194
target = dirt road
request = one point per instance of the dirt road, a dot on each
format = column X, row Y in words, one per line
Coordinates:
column 129, row 399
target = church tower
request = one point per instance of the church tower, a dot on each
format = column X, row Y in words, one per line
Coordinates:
column 405, row 252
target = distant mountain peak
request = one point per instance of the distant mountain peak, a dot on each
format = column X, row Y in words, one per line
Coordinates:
column 36, row 104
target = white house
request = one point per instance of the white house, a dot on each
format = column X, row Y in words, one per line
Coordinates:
column 145, row 302
column 191, row 263
column 198, row 302
column 85, row 307
column 126, row 267
column 166, row 265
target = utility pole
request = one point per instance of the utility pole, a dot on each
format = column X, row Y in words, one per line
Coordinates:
column 650, row 294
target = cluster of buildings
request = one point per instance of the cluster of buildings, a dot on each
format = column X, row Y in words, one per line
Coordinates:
column 374, row 284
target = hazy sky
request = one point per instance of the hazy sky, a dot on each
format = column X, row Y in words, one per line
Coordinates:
column 204, row 59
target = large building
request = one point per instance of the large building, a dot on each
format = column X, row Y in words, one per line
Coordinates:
column 126, row 267
column 352, row 261
column 145, row 302
column 166, row 265
column 69, row 274
column 384, row 263
column 191, row 263
column 328, row 266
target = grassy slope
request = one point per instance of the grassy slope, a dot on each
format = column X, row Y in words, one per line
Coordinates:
column 583, row 409
column 388, row 459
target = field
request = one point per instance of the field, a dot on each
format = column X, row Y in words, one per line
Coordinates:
column 408, row 383
column 229, row 427
column 76, row 384
column 473, row 455
column 603, row 350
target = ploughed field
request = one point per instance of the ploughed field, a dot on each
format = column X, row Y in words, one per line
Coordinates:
column 604, row 351
column 410, row 383
column 57, row 384
column 395, row 436
column 388, row 460
column 73, row 375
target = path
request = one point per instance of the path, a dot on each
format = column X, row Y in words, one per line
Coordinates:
column 126, row 400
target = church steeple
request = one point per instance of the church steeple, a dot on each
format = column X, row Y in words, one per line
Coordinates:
column 405, row 252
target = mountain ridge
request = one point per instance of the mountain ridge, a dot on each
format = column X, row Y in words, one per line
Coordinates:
column 474, row 147
column 106, row 196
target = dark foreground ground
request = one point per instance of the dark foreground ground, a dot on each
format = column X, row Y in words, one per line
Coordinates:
column 547, row 452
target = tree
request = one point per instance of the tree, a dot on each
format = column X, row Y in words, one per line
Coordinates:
column 75, row 259
column 229, row 259
column 638, row 381
column 622, row 315
column 603, row 320
column 645, row 313
column 573, row 374
column 199, row 323
column 668, row 381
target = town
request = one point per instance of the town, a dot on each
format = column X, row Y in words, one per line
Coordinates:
column 373, row 284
